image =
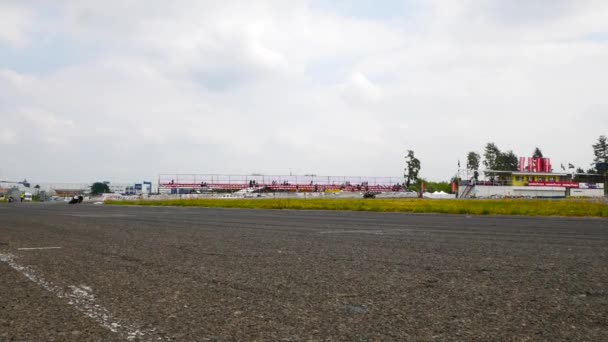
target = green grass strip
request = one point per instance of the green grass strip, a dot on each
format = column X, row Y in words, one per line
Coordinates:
column 579, row 208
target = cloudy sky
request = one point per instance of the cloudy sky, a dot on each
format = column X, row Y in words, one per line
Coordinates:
column 125, row 90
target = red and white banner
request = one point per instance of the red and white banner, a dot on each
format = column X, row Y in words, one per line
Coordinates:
column 546, row 165
column 539, row 165
column 531, row 164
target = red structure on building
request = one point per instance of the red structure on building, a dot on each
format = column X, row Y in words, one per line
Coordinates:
column 535, row 165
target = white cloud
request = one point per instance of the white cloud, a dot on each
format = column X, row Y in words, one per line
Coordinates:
column 15, row 24
column 7, row 136
column 361, row 88
column 236, row 86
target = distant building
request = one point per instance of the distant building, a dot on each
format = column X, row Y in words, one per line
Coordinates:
column 138, row 188
column 117, row 188
column 70, row 192
column 528, row 178
column 535, row 178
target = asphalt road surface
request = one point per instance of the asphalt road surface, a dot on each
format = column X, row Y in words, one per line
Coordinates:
column 87, row 273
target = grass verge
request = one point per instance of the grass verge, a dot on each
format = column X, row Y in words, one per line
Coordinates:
column 578, row 208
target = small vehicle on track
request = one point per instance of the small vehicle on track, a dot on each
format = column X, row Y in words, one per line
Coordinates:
column 76, row 199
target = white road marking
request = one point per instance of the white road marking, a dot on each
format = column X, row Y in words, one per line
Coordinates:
column 99, row 215
column 36, row 248
column 82, row 298
column 373, row 232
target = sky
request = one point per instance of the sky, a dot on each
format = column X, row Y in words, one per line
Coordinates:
column 126, row 90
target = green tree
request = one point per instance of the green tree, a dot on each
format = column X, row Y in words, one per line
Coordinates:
column 412, row 169
column 537, row 153
column 490, row 156
column 508, row 161
column 99, row 188
column 473, row 161
column 494, row 159
column 600, row 150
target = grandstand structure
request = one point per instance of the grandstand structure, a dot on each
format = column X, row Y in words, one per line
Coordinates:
column 194, row 183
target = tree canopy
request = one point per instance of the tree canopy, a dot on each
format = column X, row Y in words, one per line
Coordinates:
column 508, row 161
column 495, row 159
column 99, row 188
column 412, row 169
column 473, row 160
column 490, row 155
column 537, row 153
column 600, row 150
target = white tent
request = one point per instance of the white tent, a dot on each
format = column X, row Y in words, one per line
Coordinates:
column 438, row 195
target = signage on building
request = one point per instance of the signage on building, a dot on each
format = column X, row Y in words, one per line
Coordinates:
column 562, row 184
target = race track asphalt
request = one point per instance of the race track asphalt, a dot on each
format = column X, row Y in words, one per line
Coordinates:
column 194, row 274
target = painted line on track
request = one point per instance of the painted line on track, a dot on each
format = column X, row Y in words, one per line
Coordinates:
column 36, row 248
column 83, row 300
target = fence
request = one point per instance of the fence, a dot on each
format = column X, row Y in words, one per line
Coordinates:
column 311, row 183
